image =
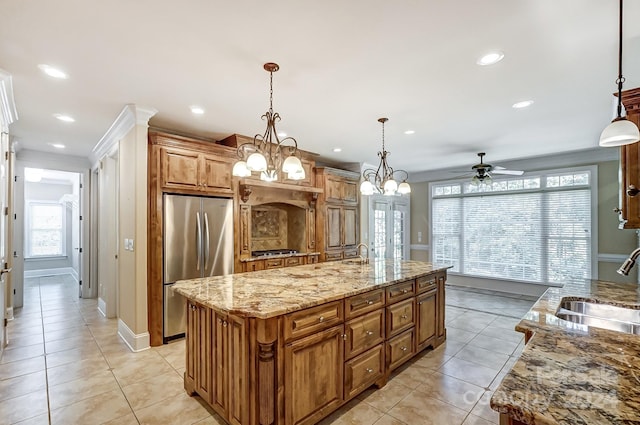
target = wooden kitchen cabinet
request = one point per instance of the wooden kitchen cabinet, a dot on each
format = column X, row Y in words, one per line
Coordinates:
column 427, row 317
column 630, row 166
column 338, row 225
column 198, row 340
column 184, row 169
column 313, row 376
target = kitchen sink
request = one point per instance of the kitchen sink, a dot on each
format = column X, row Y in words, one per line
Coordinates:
column 605, row 316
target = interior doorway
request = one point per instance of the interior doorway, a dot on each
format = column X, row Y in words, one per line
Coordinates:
column 49, row 227
column 389, row 227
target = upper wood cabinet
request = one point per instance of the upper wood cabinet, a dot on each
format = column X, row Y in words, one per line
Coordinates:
column 338, row 223
column 630, row 166
column 182, row 169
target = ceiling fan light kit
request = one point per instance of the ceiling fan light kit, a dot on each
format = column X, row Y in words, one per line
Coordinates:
column 381, row 180
column 621, row 131
column 267, row 154
column 483, row 172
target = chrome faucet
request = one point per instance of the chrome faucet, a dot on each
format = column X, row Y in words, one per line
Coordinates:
column 362, row 259
column 629, row 262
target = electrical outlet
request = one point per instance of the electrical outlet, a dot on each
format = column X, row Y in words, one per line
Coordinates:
column 130, row 244
column 126, row 244
column 419, row 237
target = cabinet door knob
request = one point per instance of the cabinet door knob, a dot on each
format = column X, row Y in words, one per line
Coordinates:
column 369, row 333
column 321, row 318
column 420, row 303
column 403, row 348
column 404, row 291
column 404, row 316
column 369, row 302
column 224, row 323
column 369, row 370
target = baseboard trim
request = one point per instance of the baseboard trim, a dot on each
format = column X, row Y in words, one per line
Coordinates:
column 136, row 342
column 51, row 272
column 102, row 307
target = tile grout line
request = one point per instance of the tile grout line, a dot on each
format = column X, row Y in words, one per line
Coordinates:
column 44, row 346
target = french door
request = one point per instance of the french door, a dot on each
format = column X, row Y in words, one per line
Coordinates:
column 389, row 227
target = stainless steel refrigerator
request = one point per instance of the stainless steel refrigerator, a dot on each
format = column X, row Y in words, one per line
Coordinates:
column 198, row 242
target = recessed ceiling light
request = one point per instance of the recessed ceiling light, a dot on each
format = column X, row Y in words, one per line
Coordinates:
column 490, row 58
column 197, row 110
column 523, row 104
column 65, row 118
column 57, row 145
column 337, row 149
column 53, row 72
column 282, row 134
column 410, row 132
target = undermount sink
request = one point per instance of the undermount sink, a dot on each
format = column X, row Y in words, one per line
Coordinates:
column 605, row 316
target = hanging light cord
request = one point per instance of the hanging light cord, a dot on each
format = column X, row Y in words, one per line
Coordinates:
column 620, row 79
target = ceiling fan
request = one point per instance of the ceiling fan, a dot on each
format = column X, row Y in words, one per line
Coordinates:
column 483, row 171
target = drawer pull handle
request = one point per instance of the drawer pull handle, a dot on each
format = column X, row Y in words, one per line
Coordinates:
column 404, row 316
column 369, row 333
column 369, row 302
column 404, row 291
column 369, row 370
column 321, row 318
column 403, row 348
column 420, row 303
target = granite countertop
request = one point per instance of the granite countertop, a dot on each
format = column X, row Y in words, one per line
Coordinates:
column 270, row 293
column 270, row 257
column 571, row 373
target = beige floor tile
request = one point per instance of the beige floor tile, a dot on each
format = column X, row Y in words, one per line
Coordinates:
column 79, row 389
column 54, row 335
column 130, row 373
column 153, row 390
column 411, row 375
column 94, row 410
column 469, row 372
column 180, row 409
column 214, row 419
column 22, row 353
column 389, row 420
column 483, row 409
column 42, row 419
column 128, row 419
column 88, row 351
column 16, row 328
column 494, row 344
column 450, row 347
column 432, row 359
column 505, row 334
column 418, row 409
column 464, row 323
column 23, row 407
column 86, row 369
column 477, row 420
column 483, row 357
column 68, row 343
column 386, row 397
column 461, row 394
column 23, row 340
column 455, row 334
column 505, row 323
column 353, row 413
column 21, row 385
column 21, row 367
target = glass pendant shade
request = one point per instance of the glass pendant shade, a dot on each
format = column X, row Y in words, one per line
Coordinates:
column 292, row 165
column 269, row 176
column 296, row 175
column 240, row 169
column 390, row 187
column 404, row 188
column 257, row 162
column 366, row 188
column 620, row 132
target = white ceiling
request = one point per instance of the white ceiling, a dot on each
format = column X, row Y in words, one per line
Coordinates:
column 343, row 64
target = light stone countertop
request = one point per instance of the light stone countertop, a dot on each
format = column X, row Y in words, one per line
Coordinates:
column 270, row 293
column 571, row 373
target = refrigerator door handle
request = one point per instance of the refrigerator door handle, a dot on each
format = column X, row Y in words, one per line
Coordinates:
column 198, row 240
column 206, row 246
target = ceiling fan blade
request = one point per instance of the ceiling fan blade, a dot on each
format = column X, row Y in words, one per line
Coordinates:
column 497, row 170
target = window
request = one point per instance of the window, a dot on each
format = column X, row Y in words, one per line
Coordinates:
column 535, row 228
column 388, row 227
column 45, row 229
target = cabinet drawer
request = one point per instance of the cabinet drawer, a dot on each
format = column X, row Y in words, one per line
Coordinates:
column 312, row 259
column 426, row 283
column 399, row 349
column 400, row 291
column 332, row 256
column 274, row 264
column 363, row 371
column 363, row 333
column 364, row 303
column 350, row 253
column 252, row 266
column 399, row 317
column 293, row 261
column 311, row 320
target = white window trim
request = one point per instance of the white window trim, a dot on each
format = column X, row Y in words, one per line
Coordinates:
column 27, row 229
column 593, row 186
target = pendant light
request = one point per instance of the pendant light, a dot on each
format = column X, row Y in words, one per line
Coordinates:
column 381, row 180
column 621, row 131
column 267, row 154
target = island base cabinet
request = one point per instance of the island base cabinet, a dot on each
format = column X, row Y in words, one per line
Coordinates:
column 426, row 308
column 313, row 376
column 198, row 373
column 363, row 371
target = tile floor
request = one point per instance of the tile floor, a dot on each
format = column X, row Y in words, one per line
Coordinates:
column 66, row 365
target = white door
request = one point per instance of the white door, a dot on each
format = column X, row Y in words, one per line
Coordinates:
column 389, row 227
column 107, row 237
column 4, row 241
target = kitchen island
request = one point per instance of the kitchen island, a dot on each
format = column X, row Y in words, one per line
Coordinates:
column 290, row 346
column 570, row 373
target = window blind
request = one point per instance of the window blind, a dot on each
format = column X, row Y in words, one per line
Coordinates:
column 533, row 232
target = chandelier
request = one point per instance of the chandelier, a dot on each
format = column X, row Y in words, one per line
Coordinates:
column 621, row 131
column 267, row 154
column 381, row 179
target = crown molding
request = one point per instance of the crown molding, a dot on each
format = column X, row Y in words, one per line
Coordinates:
column 130, row 116
column 8, row 110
